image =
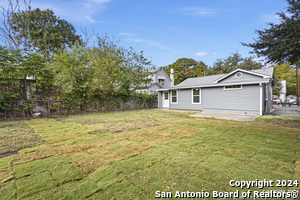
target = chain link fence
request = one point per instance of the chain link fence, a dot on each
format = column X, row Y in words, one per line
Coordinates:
column 52, row 108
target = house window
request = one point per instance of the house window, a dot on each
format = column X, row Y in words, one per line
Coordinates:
column 196, row 99
column 151, row 91
column 161, row 81
column 233, row 87
column 174, row 96
column 166, row 95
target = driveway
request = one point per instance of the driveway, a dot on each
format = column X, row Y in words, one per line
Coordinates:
column 287, row 111
column 228, row 116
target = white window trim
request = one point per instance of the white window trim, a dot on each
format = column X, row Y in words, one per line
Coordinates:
column 232, row 88
column 200, row 96
column 172, row 97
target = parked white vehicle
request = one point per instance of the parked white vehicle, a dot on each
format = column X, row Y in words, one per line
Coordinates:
column 293, row 101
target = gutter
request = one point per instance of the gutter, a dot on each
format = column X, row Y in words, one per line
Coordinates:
column 218, row 85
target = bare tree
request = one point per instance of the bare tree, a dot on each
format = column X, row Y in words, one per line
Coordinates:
column 87, row 35
column 7, row 35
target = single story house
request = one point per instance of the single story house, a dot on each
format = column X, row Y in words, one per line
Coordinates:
column 159, row 79
column 241, row 91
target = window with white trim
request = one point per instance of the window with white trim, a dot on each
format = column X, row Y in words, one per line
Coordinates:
column 196, row 96
column 233, row 87
column 174, row 96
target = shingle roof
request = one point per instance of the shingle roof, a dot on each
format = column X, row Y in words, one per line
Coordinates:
column 265, row 71
column 205, row 80
column 209, row 80
column 154, row 69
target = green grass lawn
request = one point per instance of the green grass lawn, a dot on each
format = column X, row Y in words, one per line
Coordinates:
column 133, row 154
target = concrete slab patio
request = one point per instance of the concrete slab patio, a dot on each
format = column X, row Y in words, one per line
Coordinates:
column 228, row 116
column 218, row 115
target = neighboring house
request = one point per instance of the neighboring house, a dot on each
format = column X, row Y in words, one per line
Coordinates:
column 159, row 79
column 241, row 91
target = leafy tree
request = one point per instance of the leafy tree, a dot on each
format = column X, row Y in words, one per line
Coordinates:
column 101, row 72
column 117, row 66
column 286, row 72
column 186, row 68
column 16, row 66
column 233, row 62
column 280, row 42
column 74, row 73
column 42, row 31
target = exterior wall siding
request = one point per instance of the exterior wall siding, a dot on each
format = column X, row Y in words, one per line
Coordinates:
column 159, row 99
column 153, row 88
column 244, row 78
column 244, row 101
column 216, row 99
column 185, row 101
column 160, row 73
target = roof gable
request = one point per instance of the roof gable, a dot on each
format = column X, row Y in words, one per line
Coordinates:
column 160, row 75
column 243, row 71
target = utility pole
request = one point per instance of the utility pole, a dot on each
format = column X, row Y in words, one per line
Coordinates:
column 297, row 83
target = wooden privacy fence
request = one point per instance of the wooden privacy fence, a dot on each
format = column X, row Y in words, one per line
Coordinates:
column 51, row 108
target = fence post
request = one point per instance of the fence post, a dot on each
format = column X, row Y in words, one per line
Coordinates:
column 48, row 105
column 23, row 108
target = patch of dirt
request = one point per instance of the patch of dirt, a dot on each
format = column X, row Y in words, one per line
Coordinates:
column 120, row 127
column 234, row 151
column 6, row 154
column 99, row 131
column 7, row 125
column 15, row 119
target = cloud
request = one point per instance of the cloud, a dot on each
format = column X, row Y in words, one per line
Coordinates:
column 131, row 37
column 198, row 11
column 200, row 53
column 125, row 34
column 90, row 19
column 99, row 1
column 147, row 42
column 77, row 11
column 95, row 4
column 269, row 18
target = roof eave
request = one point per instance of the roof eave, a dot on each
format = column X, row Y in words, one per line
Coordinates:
column 216, row 85
column 242, row 70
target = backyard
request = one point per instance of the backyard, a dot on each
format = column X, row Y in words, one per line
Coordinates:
column 134, row 154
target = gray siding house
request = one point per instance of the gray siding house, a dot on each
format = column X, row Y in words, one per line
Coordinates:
column 159, row 79
column 241, row 91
